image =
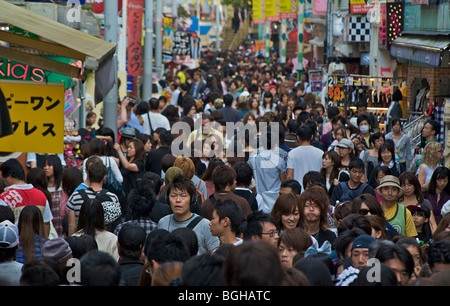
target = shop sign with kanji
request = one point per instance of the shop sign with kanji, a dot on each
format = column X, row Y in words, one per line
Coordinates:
column 37, row 116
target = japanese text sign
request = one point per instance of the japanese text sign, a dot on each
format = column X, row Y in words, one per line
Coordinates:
column 134, row 35
column 37, row 116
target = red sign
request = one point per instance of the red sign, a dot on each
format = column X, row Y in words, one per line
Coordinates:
column 359, row 7
column 134, row 33
column 98, row 6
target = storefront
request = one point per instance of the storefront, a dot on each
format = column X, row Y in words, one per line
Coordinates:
column 35, row 55
column 425, row 62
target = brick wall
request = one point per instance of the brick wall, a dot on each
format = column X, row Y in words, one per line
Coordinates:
column 433, row 75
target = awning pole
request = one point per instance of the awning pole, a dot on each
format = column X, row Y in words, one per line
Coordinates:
column 111, row 31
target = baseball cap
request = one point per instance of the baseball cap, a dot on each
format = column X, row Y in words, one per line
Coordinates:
column 421, row 208
column 9, row 235
column 363, row 241
column 132, row 236
column 346, row 143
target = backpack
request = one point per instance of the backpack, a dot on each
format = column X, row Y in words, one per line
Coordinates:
column 112, row 209
column 111, row 183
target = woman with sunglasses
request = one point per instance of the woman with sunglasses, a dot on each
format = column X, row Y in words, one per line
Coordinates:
column 368, row 205
column 413, row 195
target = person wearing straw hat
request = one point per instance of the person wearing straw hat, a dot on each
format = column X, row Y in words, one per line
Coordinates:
column 395, row 213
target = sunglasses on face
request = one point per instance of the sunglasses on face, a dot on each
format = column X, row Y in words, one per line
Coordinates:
column 365, row 211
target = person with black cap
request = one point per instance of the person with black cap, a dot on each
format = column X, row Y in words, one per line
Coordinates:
column 127, row 135
column 130, row 243
column 360, row 251
column 395, row 213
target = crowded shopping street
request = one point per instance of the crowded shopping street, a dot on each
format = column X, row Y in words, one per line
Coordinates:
column 259, row 143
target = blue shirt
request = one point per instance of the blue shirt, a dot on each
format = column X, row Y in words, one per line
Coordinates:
column 37, row 249
column 135, row 123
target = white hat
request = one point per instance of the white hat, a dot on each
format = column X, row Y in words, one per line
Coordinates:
column 445, row 208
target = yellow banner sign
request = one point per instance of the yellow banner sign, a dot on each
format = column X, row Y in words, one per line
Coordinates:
column 288, row 9
column 37, row 116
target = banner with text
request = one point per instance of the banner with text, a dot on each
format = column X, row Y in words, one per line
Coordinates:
column 37, row 116
column 134, row 36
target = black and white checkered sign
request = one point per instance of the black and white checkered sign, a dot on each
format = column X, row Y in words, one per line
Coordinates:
column 358, row 29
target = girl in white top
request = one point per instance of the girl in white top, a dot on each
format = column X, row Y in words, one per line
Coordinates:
column 432, row 154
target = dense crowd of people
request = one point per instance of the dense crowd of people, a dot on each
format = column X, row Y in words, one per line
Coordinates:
column 301, row 194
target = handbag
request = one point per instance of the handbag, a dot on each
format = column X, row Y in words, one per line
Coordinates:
column 111, row 183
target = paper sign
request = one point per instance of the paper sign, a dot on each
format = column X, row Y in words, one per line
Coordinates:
column 37, row 116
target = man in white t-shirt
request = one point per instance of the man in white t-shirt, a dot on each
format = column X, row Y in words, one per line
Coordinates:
column 303, row 158
column 156, row 119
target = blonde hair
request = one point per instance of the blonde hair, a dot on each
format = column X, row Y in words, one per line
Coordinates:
column 429, row 153
column 186, row 165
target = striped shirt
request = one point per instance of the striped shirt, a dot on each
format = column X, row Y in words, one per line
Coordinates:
column 111, row 206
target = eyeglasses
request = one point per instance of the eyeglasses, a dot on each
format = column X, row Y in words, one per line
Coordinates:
column 272, row 233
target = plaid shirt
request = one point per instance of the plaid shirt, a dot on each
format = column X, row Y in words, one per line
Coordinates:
column 57, row 218
column 146, row 223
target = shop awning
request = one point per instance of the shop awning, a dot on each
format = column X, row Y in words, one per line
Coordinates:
column 54, row 39
column 421, row 49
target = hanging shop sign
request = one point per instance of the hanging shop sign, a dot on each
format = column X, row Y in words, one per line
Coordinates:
column 134, row 36
column 37, row 116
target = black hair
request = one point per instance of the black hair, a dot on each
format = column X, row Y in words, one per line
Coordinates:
column 166, row 138
column 203, row 270
column 244, row 174
column 315, row 270
column 313, row 177
column 229, row 208
column 355, row 163
column 439, row 173
column 384, row 250
column 375, row 136
column 189, row 237
column 167, row 248
column 363, row 117
column 153, row 103
column 12, row 167
column 305, row 133
column 332, row 112
column 293, row 184
column 99, row 268
column 438, row 252
column 435, row 126
column 252, row 226
column 387, row 277
column 227, row 100
column 141, row 201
